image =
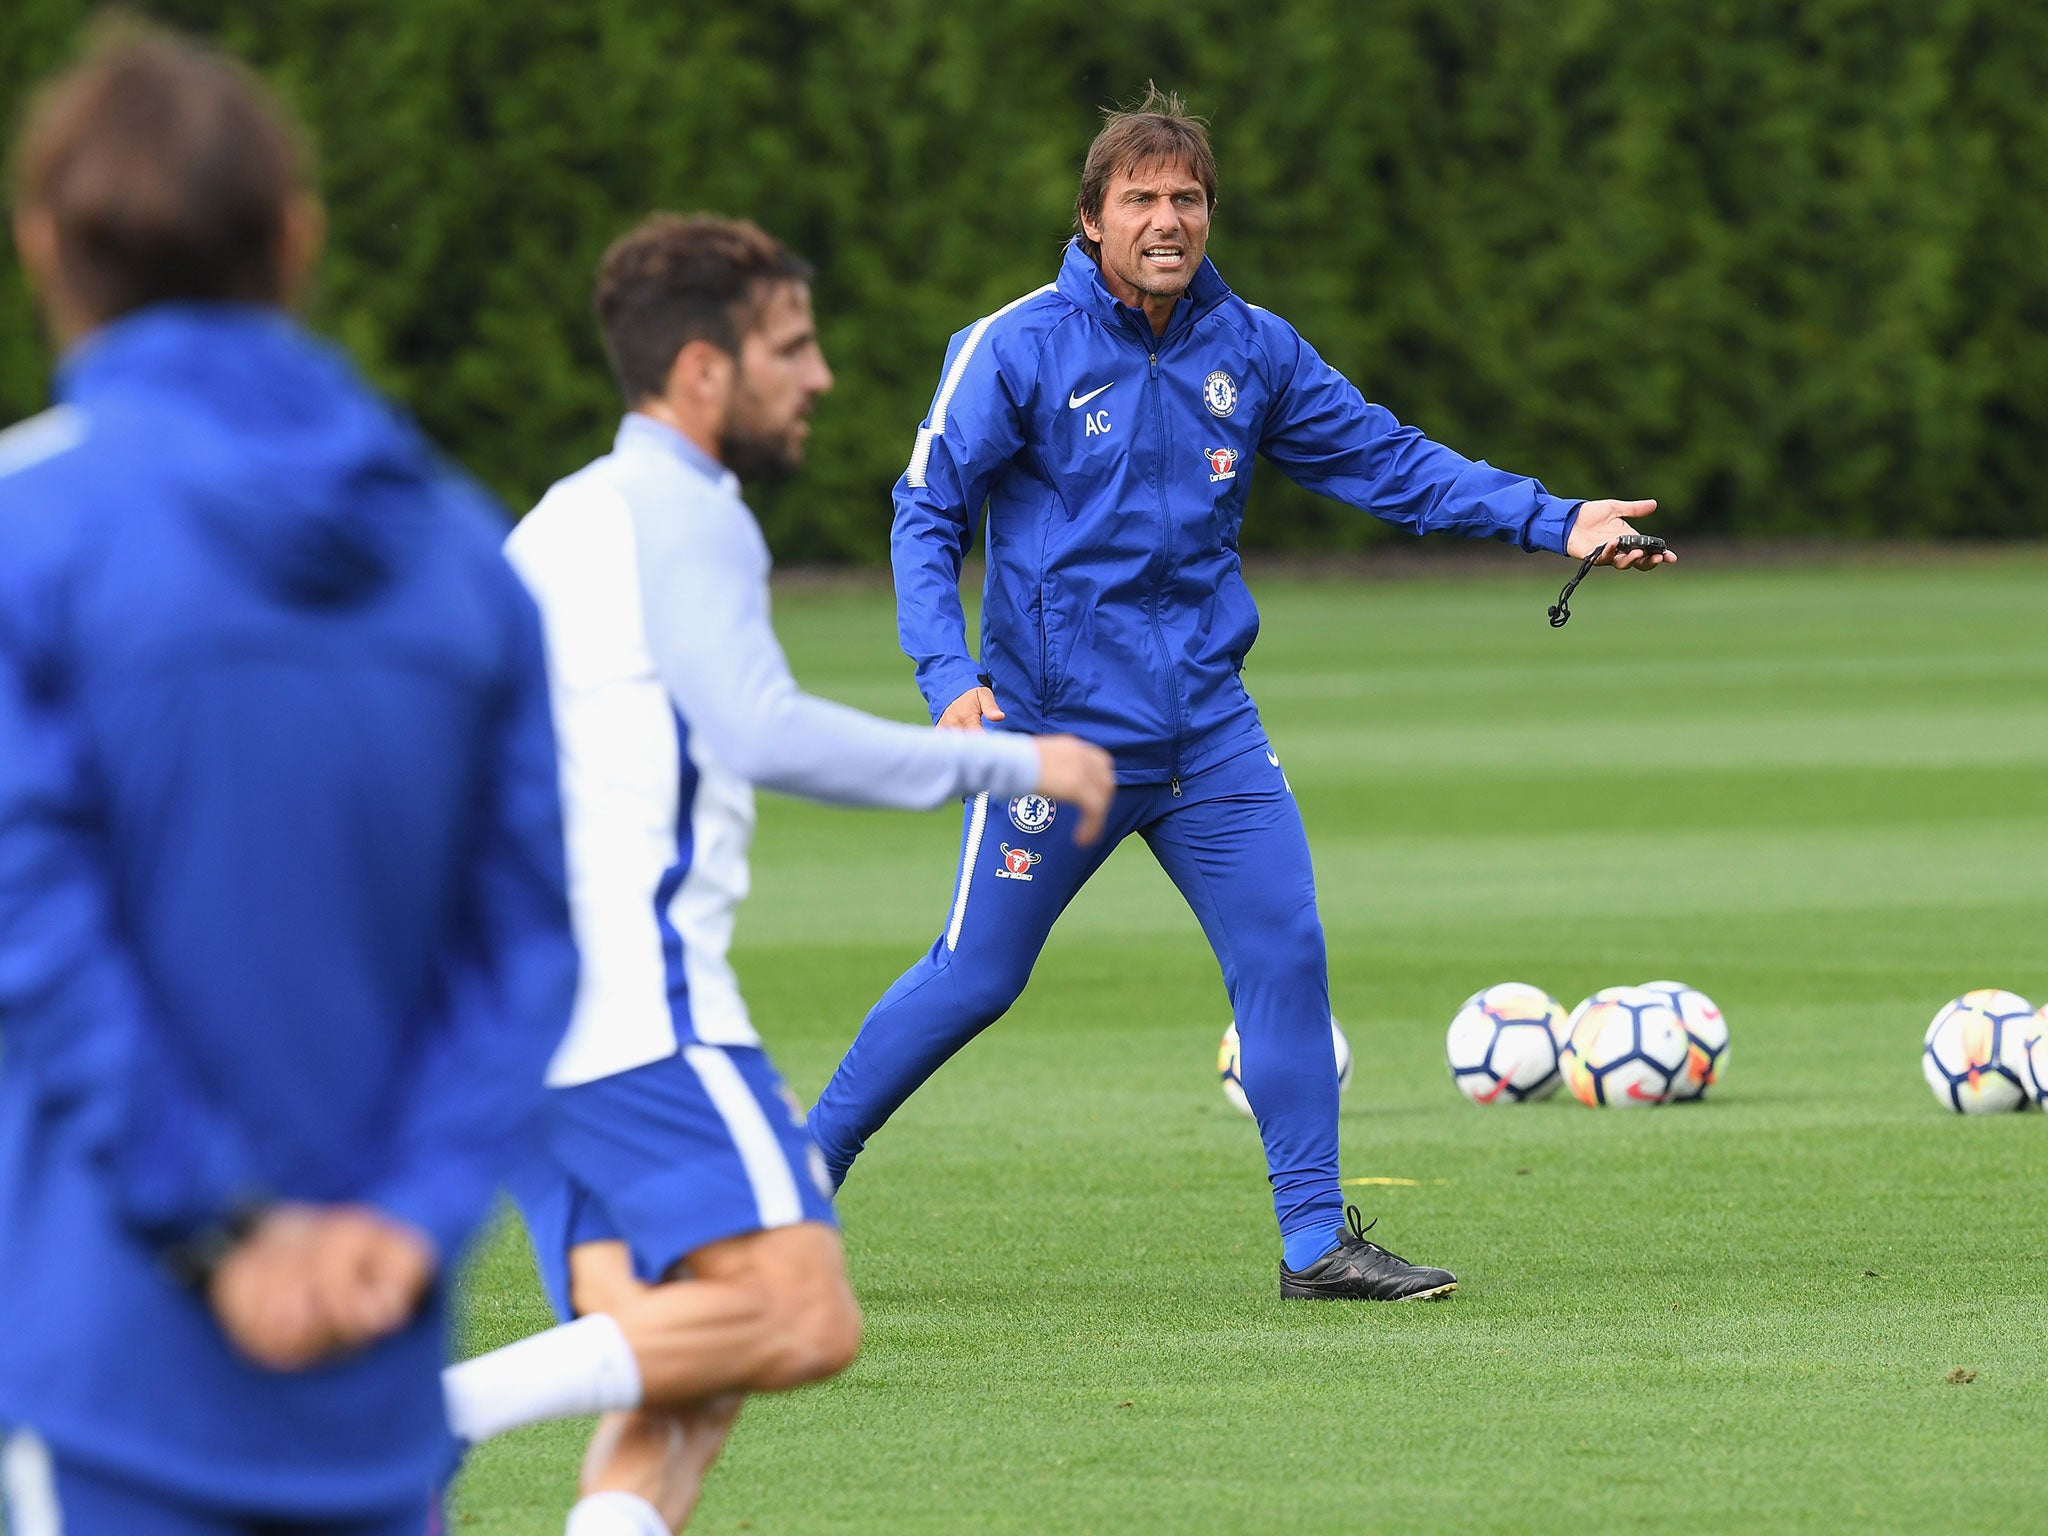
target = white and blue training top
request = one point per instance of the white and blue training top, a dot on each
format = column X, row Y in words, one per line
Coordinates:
column 672, row 699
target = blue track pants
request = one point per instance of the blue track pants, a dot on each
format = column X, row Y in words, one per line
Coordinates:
column 1231, row 839
column 51, row 1495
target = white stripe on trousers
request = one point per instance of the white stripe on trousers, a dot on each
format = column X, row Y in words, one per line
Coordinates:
column 976, row 825
column 760, row 1149
column 31, row 1484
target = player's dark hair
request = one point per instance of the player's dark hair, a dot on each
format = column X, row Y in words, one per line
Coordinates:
column 168, row 170
column 675, row 280
column 1158, row 130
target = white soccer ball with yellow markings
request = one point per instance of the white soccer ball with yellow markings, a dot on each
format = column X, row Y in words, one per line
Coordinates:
column 1627, row 1051
column 1975, row 1053
column 1229, row 1070
column 2037, row 1057
column 1706, row 1031
column 1571, row 1025
column 1502, row 1044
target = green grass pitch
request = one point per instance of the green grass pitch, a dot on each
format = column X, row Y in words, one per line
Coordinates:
column 1820, row 794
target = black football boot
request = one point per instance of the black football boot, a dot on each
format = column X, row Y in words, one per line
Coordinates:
column 1356, row 1270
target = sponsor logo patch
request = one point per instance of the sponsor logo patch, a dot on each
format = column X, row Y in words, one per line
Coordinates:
column 1017, row 863
column 1032, row 814
column 1222, row 463
column 1219, row 393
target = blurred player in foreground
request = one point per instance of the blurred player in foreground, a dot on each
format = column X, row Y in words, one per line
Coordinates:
column 684, row 1211
column 1109, row 422
column 284, row 932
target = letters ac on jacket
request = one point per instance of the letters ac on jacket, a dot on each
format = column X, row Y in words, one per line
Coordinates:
column 1115, row 466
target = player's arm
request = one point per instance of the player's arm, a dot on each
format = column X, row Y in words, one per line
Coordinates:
column 704, row 593
column 1327, row 437
column 473, row 1098
column 975, row 427
column 81, row 1027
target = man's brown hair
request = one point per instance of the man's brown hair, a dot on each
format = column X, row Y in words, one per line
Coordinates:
column 167, row 170
column 1159, row 130
column 675, row 280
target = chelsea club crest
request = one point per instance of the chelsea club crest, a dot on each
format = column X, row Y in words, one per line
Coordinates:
column 1032, row 813
column 1219, row 393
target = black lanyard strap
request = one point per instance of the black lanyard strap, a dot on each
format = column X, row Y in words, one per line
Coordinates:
column 1561, row 611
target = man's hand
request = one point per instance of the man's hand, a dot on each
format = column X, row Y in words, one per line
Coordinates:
column 369, row 1273
column 311, row 1282
column 968, row 711
column 1084, row 776
column 263, row 1292
column 1602, row 522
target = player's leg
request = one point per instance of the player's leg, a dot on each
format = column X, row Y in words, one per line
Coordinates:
column 689, row 1223
column 1235, row 846
column 650, row 1459
column 644, row 1466
column 763, row 1312
column 1018, row 869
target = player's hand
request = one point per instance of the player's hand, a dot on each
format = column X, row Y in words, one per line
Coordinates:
column 968, row 711
column 1082, row 775
column 369, row 1273
column 264, row 1296
column 1602, row 522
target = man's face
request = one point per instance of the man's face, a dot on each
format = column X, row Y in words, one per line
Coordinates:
column 781, row 373
column 1153, row 229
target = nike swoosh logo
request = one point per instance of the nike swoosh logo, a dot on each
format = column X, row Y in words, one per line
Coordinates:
column 1273, row 759
column 1075, row 402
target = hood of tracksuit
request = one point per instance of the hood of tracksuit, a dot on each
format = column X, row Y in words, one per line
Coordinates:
column 306, row 478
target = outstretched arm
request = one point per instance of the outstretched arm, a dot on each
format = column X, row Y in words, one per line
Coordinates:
column 703, row 582
column 1327, row 437
column 704, row 593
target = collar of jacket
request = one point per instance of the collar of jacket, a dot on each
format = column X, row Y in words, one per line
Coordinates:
column 1081, row 281
column 202, row 347
column 639, row 430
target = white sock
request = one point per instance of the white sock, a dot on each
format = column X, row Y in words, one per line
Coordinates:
column 581, row 1367
column 614, row 1514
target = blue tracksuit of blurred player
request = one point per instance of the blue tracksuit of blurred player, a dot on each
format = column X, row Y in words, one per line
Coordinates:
column 1114, row 464
column 282, row 910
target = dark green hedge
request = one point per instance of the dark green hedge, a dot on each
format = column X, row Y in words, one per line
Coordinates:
column 1779, row 265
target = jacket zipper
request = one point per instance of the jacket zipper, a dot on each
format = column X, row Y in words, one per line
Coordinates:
column 1165, row 562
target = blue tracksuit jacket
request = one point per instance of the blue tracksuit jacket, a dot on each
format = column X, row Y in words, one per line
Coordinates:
column 1115, row 467
column 282, row 905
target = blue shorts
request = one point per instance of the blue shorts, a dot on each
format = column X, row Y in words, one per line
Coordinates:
column 47, row 1492
column 668, row 1158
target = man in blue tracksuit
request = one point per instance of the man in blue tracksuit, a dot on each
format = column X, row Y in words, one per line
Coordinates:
column 1109, row 421
column 284, row 940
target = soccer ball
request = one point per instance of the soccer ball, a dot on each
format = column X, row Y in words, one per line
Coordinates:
column 1627, row 1051
column 1975, row 1056
column 1503, row 1044
column 2037, row 1057
column 1571, row 1023
column 1706, row 1029
column 1227, row 1067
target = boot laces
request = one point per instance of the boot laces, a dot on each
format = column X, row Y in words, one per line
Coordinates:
column 1359, row 1227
